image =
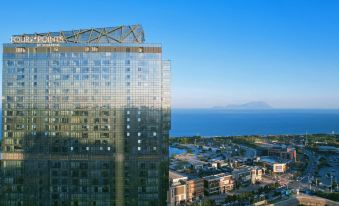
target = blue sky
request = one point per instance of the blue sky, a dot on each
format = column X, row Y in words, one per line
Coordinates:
column 283, row 52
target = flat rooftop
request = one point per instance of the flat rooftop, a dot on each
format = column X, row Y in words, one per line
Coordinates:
column 175, row 175
column 217, row 176
column 271, row 160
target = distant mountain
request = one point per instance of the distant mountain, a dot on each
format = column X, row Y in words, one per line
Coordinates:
column 247, row 106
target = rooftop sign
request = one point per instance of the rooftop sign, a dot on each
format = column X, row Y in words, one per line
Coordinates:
column 120, row 34
column 23, row 39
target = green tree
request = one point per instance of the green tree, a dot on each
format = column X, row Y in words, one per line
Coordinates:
column 205, row 202
column 208, row 203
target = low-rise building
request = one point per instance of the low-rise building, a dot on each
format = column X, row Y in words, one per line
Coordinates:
column 178, row 189
column 237, row 161
column 214, row 164
column 247, row 175
column 195, row 189
column 256, row 174
column 242, row 175
column 222, row 163
column 325, row 148
column 285, row 153
column 279, row 167
column 219, row 183
column 274, row 164
column 281, row 151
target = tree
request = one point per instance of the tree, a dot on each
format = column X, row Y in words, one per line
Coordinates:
column 208, row 203
column 205, row 202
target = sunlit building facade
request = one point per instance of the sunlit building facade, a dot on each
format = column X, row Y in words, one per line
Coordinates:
column 86, row 119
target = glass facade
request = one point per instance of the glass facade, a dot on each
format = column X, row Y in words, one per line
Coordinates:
column 85, row 124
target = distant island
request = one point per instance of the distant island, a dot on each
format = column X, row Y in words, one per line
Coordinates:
column 247, row 106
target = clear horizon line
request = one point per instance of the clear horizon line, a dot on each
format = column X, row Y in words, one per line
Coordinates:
column 272, row 108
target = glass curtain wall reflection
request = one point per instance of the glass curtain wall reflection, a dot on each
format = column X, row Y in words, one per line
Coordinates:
column 86, row 119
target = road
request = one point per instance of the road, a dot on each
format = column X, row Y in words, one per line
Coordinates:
column 302, row 182
column 311, row 166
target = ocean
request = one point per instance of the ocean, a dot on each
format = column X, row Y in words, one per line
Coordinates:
column 213, row 122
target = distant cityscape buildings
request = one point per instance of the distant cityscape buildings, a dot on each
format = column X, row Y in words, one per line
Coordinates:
column 220, row 167
column 86, row 119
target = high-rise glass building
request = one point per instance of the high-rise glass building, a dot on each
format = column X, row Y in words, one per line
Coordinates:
column 86, row 119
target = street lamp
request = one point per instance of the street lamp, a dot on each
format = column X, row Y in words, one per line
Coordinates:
column 331, row 183
column 310, row 182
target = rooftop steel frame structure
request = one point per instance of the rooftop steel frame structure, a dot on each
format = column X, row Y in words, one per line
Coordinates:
column 119, row 34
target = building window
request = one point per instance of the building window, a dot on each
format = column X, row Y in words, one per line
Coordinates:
column 95, row 49
column 20, row 49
